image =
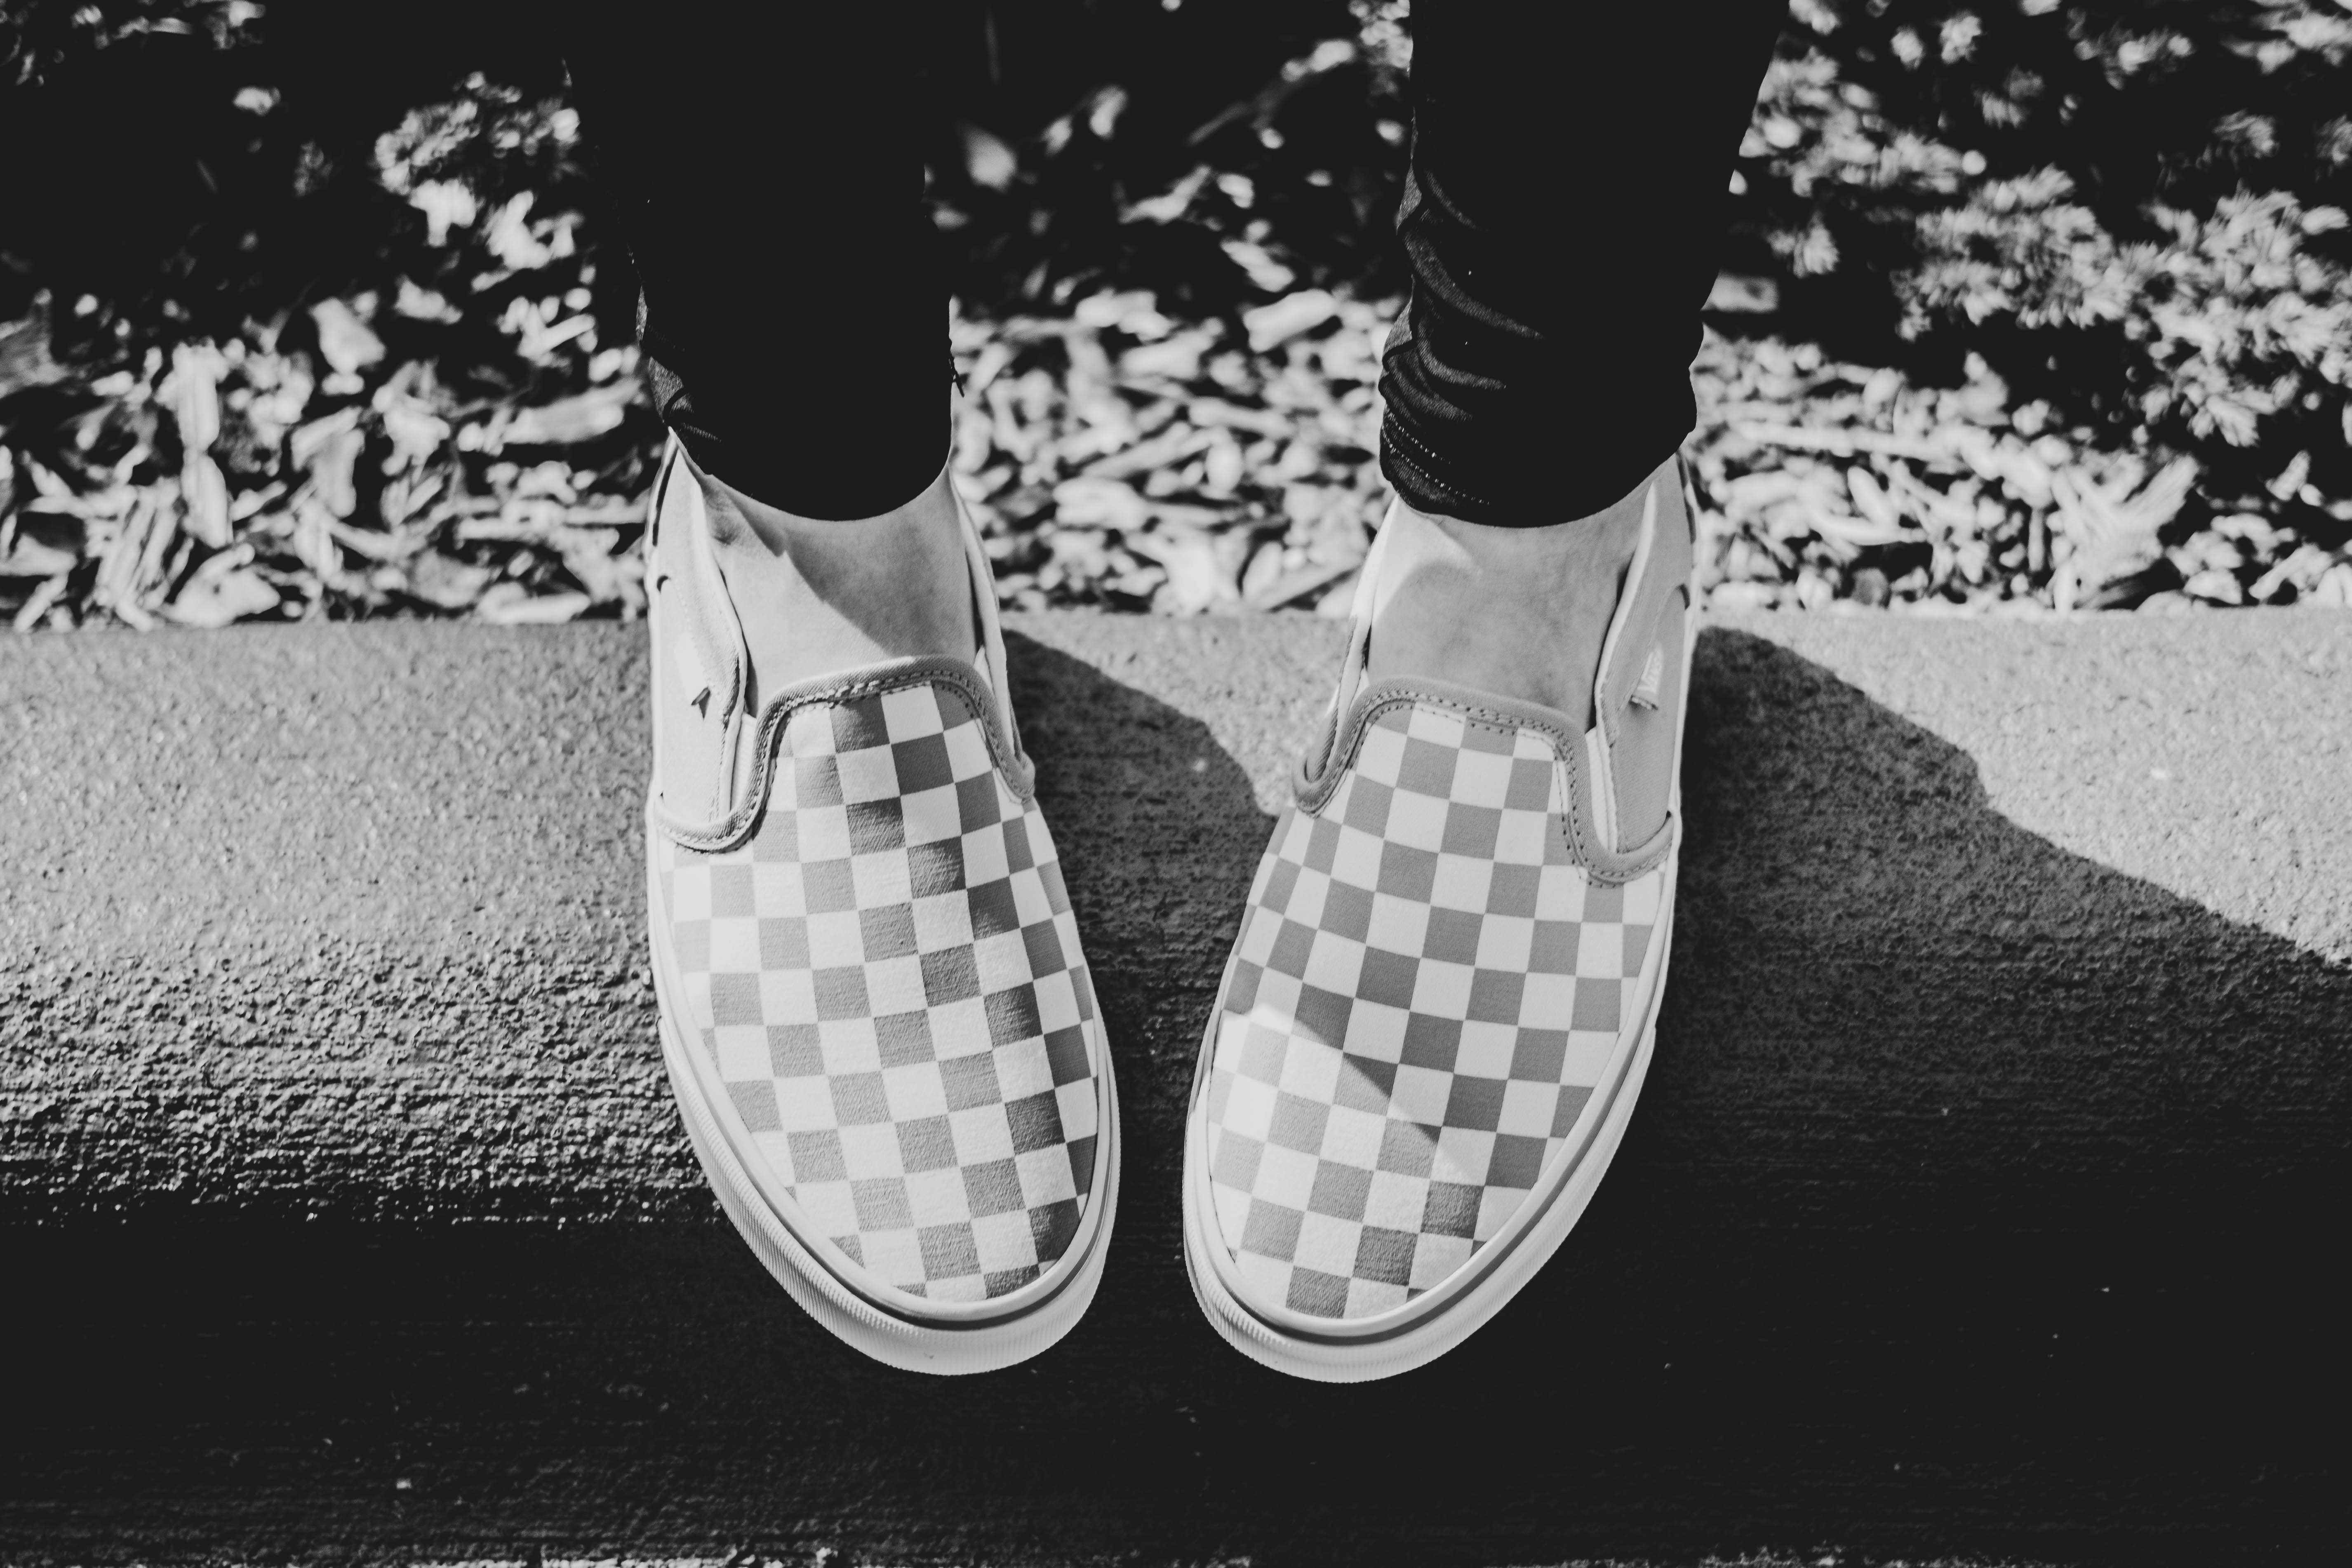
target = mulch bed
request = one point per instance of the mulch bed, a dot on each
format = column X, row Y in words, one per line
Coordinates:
column 1115, row 457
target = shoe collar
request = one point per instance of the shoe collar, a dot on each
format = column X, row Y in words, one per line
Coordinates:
column 712, row 641
column 1630, row 673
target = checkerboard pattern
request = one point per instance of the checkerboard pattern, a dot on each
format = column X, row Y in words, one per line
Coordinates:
column 888, row 977
column 1426, row 993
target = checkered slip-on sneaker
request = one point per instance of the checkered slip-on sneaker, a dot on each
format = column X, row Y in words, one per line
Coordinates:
column 1441, row 1003
column 874, row 1007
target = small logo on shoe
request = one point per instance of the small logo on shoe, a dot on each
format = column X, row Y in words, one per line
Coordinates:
column 701, row 703
column 1653, row 677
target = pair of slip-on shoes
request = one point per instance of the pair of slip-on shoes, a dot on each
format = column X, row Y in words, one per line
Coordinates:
column 885, row 1045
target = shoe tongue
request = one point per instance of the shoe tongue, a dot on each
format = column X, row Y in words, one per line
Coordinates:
column 1499, row 712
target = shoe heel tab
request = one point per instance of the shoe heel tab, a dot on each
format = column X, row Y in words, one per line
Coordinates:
column 1661, row 570
column 714, row 634
column 1352, row 664
column 989, row 656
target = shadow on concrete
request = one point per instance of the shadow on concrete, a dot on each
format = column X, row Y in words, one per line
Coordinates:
column 1983, row 1202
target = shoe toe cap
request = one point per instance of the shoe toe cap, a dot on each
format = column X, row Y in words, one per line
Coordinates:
column 897, row 1015
column 1398, row 1061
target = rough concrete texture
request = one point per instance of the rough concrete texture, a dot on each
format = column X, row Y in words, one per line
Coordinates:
column 1988, row 1198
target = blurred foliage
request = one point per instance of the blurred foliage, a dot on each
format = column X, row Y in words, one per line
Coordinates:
column 1183, row 466
column 315, row 309
column 2135, row 213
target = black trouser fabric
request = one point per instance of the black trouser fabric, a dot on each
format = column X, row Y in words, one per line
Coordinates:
column 769, row 159
column 1562, row 220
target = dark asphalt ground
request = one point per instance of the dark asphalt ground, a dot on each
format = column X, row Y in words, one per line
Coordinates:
column 1988, row 1200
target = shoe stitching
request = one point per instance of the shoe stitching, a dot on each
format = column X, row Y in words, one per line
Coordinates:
column 1314, row 794
column 737, row 825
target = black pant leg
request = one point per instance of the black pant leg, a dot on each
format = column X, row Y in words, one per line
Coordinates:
column 1563, row 220
column 769, row 160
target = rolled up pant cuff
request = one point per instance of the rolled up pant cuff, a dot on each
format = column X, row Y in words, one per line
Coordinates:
column 1547, row 481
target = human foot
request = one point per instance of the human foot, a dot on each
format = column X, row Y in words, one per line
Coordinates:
column 818, row 596
column 1517, row 612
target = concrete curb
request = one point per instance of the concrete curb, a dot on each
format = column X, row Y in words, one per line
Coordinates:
column 2014, row 965
column 349, row 922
